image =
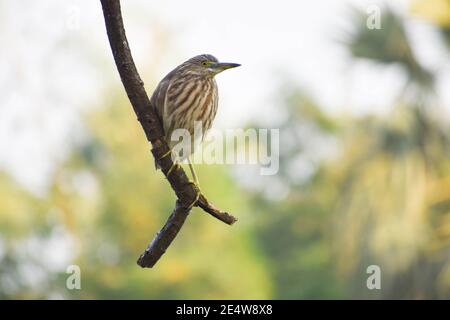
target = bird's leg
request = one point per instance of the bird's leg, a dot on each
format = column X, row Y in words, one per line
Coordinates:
column 197, row 196
column 194, row 175
column 174, row 165
column 195, row 183
column 165, row 154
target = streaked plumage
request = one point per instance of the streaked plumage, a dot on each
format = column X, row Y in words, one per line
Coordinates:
column 187, row 94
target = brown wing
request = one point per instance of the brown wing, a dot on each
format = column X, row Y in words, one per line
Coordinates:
column 158, row 98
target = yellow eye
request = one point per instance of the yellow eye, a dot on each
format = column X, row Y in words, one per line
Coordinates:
column 205, row 63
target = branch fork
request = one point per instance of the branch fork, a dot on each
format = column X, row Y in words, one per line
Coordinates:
column 187, row 193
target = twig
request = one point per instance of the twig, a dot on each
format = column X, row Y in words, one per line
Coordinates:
column 185, row 191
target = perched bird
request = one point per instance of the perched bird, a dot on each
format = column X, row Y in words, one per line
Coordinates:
column 186, row 95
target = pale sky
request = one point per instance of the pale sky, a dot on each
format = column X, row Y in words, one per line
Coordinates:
column 56, row 63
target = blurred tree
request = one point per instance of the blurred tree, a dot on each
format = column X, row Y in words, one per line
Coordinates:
column 383, row 199
column 387, row 178
column 110, row 202
column 294, row 231
column 390, row 44
column 360, row 191
column 436, row 11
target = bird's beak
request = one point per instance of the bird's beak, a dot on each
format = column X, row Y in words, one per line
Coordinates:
column 222, row 66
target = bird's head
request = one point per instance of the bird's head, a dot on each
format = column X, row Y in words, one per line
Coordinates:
column 208, row 65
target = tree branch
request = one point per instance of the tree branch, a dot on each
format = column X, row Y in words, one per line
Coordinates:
column 185, row 191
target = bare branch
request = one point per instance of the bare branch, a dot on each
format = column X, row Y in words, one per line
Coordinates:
column 185, row 191
column 165, row 237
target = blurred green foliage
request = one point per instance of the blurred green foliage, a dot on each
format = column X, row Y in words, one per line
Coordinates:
column 382, row 199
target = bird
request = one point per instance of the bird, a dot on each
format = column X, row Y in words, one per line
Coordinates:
column 186, row 95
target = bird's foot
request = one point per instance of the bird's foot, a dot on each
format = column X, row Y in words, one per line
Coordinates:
column 165, row 154
column 198, row 194
column 172, row 168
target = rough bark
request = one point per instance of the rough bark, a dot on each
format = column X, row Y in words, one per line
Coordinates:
column 185, row 191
